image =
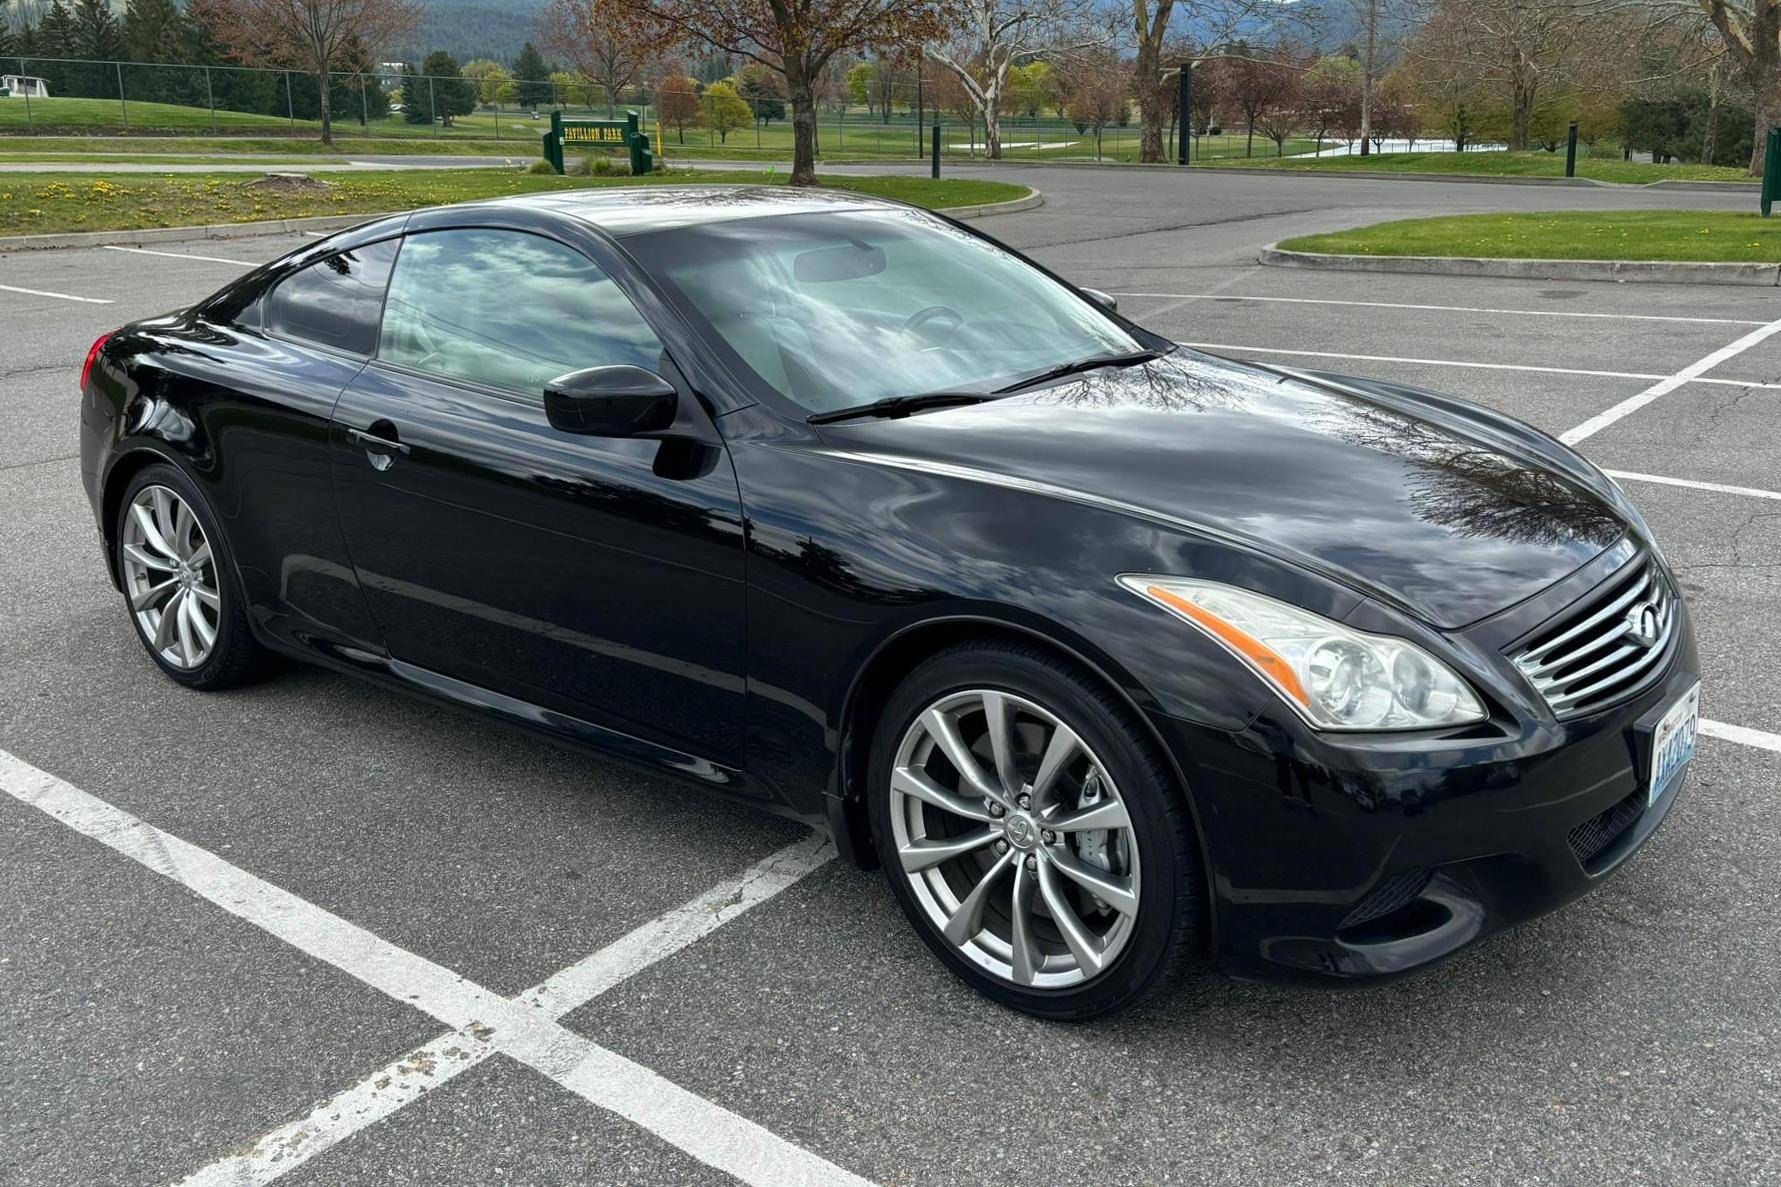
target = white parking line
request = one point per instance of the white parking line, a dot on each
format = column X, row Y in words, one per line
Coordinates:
column 180, row 255
column 58, row 296
column 408, row 1078
column 705, row 1130
column 1691, row 484
column 1387, row 358
column 1742, row 735
column 1664, row 387
column 1714, row 321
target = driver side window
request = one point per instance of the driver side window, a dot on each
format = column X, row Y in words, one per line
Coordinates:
column 507, row 310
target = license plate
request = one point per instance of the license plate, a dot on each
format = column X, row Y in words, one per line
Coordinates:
column 1672, row 741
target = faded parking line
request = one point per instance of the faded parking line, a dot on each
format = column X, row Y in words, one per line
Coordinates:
column 1240, row 351
column 180, row 255
column 1693, row 484
column 1235, row 297
column 522, row 1029
column 1689, row 374
column 9, row 288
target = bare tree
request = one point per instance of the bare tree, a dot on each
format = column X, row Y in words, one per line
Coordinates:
column 995, row 35
column 1751, row 30
column 1259, row 88
column 1095, row 92
column 612, row 53
column 314, row 36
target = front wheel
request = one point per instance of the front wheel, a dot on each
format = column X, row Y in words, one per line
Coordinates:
column 1033, row 833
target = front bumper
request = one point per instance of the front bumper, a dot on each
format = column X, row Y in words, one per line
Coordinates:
column 1357, row 858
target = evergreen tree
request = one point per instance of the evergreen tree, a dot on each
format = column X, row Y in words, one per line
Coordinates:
column 154, row 31
column 533, row 77
column 452, row 94
column 415, row 109
column 8, row 46
column 96, row 33
column 56, row 34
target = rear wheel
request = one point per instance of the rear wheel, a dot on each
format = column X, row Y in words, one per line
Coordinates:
column 179, row 583
column 1032, row 832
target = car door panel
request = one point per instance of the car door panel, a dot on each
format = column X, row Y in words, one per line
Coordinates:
column 583, row 574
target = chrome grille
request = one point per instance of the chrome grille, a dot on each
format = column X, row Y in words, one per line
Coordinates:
column 1596, row 653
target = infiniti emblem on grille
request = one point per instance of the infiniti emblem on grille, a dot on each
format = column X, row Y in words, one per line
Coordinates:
column 1643, row 624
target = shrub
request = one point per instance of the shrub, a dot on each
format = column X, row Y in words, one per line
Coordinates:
column 539, row 167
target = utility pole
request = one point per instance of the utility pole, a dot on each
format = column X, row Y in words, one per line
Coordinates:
column 1366, row 79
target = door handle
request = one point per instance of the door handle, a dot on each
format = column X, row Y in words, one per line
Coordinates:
column 372, row 443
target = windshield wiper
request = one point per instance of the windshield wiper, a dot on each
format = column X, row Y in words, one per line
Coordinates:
column 1091, row 363
column 892, row 406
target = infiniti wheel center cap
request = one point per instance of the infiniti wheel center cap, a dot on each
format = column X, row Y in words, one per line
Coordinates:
column 1020, row 830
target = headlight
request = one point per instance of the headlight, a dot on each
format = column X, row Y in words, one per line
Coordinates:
column 1338, row 678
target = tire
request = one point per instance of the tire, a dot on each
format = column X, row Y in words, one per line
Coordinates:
column 1133, row 937
column 159, row 567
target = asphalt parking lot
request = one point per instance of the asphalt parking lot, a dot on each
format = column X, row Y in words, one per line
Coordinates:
column 314, row 932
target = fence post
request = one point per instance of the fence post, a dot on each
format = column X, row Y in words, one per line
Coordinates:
column 120, row 96
column 210, row 100
column 936, row 167
column 1186, row 90
column 1771, row 170
column 432, row 108
column 1571, row 151
column 364, row 107
column 840, row 127
column 30, row 127
column 290, row 106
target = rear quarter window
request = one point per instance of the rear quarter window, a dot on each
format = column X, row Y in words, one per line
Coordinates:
column 335, row 302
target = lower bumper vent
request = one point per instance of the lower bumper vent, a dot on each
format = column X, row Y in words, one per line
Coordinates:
column 1589, row 839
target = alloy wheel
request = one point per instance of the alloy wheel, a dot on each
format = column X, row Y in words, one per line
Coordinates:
column 170, row 578
column 1014, row 839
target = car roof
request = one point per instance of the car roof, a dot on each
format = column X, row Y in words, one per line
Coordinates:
column 635, row 210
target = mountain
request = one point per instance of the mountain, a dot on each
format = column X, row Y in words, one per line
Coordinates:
column 469, row 29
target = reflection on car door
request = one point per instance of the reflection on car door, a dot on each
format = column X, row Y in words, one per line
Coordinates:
column 576, row 573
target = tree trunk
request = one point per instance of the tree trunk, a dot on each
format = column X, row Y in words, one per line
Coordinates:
column 1366, row 76
column 803, row 97
column 327, row 109
column 992, row 129
column 1152, row 110
column 1522, row 117
column 1710, row 143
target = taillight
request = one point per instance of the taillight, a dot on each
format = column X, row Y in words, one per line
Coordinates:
column 86, row 369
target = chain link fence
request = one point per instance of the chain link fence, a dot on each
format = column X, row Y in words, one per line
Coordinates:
column 84, row 98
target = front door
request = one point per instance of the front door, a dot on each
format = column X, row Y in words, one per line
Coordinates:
column 577, row 573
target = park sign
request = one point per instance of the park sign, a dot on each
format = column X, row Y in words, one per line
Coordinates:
column 605, row 133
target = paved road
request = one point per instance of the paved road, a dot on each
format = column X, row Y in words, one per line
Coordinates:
column 1633, row 1037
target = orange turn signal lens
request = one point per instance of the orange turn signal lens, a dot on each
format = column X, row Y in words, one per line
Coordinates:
column 1265, row 658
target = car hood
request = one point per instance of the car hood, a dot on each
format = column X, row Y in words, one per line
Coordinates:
column 1447, row 517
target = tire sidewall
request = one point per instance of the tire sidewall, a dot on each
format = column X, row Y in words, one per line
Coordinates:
column 1167, row 865
column 223, row 662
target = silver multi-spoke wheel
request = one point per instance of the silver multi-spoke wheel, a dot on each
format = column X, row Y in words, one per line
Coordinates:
column 1014, row 839
column 170, row 577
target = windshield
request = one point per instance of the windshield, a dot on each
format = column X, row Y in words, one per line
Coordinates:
column 840, row 309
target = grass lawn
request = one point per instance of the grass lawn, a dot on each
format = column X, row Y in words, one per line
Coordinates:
column 1507, row 164
column 42, row 203
column 1714, row 236
column 57, row 148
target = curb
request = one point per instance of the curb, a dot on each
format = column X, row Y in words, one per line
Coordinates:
column 1617, row 271
column 335, row 222
column 1034, row 199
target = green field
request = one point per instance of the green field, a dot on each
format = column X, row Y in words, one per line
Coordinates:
column 1606, row 167
column 841, row 136
column 41, row 203
column 1672, row 235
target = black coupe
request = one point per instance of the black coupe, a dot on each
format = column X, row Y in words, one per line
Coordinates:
column 1108, row 651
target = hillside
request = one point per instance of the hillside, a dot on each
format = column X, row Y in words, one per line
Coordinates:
column 469, row 29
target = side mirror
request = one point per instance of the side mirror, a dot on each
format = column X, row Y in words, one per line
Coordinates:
column 1104, row 300
column 617, row 401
